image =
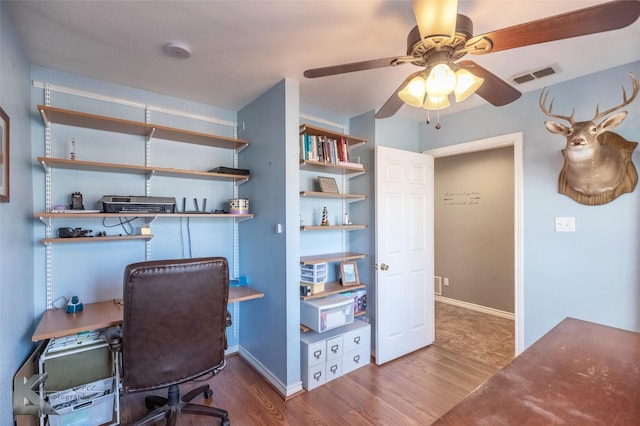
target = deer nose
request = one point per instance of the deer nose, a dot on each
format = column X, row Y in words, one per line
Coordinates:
column 578, row 141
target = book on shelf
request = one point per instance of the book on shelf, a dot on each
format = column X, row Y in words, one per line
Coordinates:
column 323, row 149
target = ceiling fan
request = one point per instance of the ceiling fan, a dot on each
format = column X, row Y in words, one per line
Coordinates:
column 443, row 36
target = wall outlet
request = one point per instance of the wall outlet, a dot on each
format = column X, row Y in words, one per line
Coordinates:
column 565, row 224
column 446, row 282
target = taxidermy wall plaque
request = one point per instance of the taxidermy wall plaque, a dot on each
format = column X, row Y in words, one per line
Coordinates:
column 597, row 163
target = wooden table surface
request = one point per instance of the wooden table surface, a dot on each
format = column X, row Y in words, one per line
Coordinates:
column 58, row 323
column 579, row 373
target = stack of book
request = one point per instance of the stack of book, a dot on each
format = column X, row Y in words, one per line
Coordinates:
column 323, row 149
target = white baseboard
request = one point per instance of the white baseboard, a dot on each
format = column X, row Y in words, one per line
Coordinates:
column 284, row 390
column 477, row 308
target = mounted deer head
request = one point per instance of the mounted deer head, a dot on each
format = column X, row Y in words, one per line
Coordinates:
column 596, row 169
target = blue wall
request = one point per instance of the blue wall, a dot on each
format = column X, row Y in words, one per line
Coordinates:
column 591, row 274
column 270, row 329
column 16, row 223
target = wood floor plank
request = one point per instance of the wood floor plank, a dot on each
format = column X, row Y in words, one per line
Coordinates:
column 415, row 389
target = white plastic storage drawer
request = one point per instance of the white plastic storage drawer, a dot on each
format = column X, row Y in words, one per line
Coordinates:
column 334, row 347
column 313, row 274
column 356, row 339
column 90, row 404
column 326, row 313
column 315, row 353
column 334, row 369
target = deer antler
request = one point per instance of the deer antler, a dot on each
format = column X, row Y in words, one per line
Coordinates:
column 625, row 101
column 542, row 102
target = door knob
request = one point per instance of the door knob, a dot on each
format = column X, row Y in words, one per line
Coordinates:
column 384, row 267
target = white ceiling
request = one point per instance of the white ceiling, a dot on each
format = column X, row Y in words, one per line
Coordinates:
column 242, row 48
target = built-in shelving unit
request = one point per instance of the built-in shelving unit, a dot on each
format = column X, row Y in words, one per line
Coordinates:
column 345, row 171
column 148, row 131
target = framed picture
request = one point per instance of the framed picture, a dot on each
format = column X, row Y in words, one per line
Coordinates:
column 4, row 156
column 328, row 185
column 349, row 273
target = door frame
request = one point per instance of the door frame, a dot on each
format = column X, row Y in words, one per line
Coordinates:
column 514, row 140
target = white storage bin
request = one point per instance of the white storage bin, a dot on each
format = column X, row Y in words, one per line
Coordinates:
column 314, row 274
column 90, row 404
column 326, row 313
column 326, row 356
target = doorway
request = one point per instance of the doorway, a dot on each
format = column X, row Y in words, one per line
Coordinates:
column 513, row 140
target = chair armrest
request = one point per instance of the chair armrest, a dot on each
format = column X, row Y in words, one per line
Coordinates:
column 113, row 335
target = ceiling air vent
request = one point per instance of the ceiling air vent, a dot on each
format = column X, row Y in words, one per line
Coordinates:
column 534, row 75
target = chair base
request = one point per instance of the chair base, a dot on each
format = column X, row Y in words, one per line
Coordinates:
column 170, row 407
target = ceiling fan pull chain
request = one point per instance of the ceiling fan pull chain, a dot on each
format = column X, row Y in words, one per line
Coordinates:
column 438, row 119
column 428, row 118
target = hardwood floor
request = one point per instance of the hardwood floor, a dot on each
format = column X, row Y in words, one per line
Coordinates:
column 413, row 390
column 486, row 338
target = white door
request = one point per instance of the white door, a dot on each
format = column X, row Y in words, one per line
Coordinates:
column 404, row 253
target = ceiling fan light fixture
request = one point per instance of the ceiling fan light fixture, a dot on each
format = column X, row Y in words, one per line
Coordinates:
column 467, row 84
column 441, row 81
column 434, row 103
column 436, row 18
column 413, row 93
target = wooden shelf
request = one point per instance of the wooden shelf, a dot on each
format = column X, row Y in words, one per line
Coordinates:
column 317, row 166
column 243, row 293
column 332, row 257
column 333, row 288
column 327, row 228
column 352, row 141
column 62, row 163
column 111, row 124
column 57, row 323
column 349, row 198
column 97, row 239
column 44, row 215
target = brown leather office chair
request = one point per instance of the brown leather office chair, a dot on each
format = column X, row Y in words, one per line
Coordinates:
column 174, row 330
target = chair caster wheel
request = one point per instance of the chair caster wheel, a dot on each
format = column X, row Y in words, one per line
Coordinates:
column 153, row 401
column 208, row 393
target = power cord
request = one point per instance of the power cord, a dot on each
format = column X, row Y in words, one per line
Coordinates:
column 123, row 223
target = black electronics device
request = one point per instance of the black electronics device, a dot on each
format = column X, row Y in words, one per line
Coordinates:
column 230, row 171
column 73, row 232
column 137, row 204
column 76, row 201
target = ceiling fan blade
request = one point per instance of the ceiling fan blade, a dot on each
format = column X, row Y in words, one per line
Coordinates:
column 595, row 19
column 394, row 102
column 435, row 17
column 494, row 90
column 354, row 66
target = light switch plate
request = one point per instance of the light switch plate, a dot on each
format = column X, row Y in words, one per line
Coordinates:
column 565, row 224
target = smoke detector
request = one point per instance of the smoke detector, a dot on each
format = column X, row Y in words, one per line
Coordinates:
column 537, row 74
column 178, row 50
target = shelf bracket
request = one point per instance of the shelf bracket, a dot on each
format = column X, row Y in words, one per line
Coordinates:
column 151, row 133
column 45, row 118
column 46, row 168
